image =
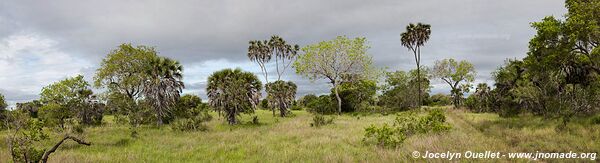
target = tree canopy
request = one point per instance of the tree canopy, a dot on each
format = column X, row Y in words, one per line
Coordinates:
column 232, row 92
column 338, row 60
column 414, row 38
column 124, row 70
column 458, row 75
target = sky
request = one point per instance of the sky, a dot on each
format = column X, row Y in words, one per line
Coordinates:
column 42, row 42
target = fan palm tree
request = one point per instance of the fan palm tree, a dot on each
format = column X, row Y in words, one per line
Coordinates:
column 260, row 52
column 164, row 86
column 281, row 95
column 283, row 52
column 232, row 92
column 415, row 37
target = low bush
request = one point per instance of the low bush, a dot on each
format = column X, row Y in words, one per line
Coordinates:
column 195, row 123
column 323, row 105
column 255, row 120
column 596, row 120
column 320, row 120
column 296, row 107
column 405, row 125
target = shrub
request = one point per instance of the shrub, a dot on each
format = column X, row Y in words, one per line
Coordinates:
column 405, row 125
column 195, row 123
column 320, row 120
column 596, row 120
column 296, row 107
column 255, row 120
column 323, row 105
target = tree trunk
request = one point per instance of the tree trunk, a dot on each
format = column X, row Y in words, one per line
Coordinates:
column 337, row 95
column 159, row 120
column 55, row 147
column 231, row 118
column 419, row 84
column 282, row 110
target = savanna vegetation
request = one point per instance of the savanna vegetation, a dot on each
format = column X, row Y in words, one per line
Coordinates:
column 547, row 101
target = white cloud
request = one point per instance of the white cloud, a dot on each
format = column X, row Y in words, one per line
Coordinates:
column 29, row 62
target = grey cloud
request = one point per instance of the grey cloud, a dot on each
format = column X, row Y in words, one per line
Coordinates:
column 481, row 31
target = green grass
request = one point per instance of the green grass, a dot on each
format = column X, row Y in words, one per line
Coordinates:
column 293, row 140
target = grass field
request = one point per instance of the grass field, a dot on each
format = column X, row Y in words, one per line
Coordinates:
column 293, row 140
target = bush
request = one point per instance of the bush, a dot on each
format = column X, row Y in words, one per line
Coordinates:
column 192, row 124
column 320, row 120
column 405, row 125
column 440, row 100
column 596, row 120
column 296, row 107
column 323, row 105
column 255, row 120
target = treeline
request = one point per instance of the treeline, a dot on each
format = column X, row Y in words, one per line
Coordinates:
column 559, row 77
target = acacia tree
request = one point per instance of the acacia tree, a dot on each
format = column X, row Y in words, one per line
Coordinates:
column 335, row 59
column 415, row 37
column 73, row 97
column 164, row 85
column 458, row 75
column 281, row 95
column 124, row 70
column 232, row 92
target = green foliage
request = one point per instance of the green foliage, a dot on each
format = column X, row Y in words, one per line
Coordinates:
column 186, row 107
column 400, row 87
column 337, row 60
column 414, row 38
column 296, row 107
column 30, row 107
column 458, row 75
column 405, row 125
column 128, row 111
column 595, row 120
column 55, row 115
column 281, row 96
column 75, row 99
column 3, row 104
column 320, row 120
column 264, row 104
column 324, row 104
column 22, row 143
column 482, row 100
column 195, row 123
column 559, row 77
column 3, row 111
column 357, row 95
column 440, row 100
column 163, row 86
column 124, row 70
column 306, row 99
column 384, row 136
column 232, row 92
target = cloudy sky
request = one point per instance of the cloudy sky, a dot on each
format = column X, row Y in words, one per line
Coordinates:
column 44, row 41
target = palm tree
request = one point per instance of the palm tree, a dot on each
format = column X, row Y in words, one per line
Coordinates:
column 415, row 37
column 281, row 95
column 260, row 52
column 164, row 86
column 232, row 92
column 283, row 52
